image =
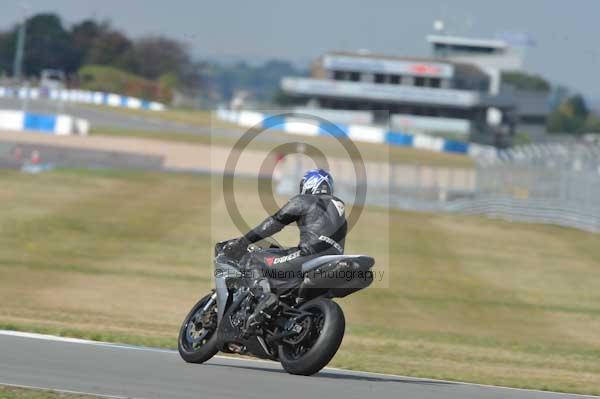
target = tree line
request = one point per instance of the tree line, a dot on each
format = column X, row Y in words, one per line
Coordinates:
column 569, row 111
column 572, row 115
column 97, row 56
column 155, row 59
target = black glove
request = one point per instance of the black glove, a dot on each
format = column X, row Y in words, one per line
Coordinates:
column 236, row 248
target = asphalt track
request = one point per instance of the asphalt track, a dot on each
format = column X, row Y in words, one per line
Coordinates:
column 120, row 371
column 104, row 117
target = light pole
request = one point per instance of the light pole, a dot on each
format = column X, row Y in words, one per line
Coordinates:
column 18, row 64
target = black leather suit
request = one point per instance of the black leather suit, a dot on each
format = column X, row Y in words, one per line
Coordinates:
column 322, row 223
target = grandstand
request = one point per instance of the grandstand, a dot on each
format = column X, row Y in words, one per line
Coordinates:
column 457, row 92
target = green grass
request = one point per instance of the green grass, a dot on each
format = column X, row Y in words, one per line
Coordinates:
column 122, row 257
column 18, row 393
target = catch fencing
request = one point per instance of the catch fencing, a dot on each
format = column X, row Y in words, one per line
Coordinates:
column 80, row 96
column 404, row 186
column 558, row 185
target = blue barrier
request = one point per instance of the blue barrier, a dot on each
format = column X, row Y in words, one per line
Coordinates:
column 333, row 129
column 395, row 138
column 50, row 124
column 273, row 122
column 456, row 146
column 41, row 123
column 370, row 134
column 81, row 96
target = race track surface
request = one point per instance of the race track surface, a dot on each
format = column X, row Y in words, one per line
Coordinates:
column 118, row 371
column 104, row 117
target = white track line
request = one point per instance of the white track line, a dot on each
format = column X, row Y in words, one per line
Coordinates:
column 65, row 391
column 55, row 338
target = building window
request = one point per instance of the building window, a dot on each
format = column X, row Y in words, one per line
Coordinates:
column 355, row 76
column 419, row 81
column 395, row 79
column 338, row 75
column 434, row 82
column 379, row 78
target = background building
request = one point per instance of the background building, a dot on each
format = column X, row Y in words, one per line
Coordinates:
column 501, row 59
column 457, row 92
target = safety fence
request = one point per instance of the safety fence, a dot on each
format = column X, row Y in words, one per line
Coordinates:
column 533, row 193
column 80, row 96
column 305, row 125
column 386, row 184
column 61, row 125
column 554, row 212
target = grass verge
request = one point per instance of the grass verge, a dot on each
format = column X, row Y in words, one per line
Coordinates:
column 7, row 392
column 122, row 257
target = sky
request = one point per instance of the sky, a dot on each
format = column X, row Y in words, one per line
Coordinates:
column 566, row 50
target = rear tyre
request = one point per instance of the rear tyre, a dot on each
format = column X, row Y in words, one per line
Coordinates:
column 319, row 346
column 198, row 334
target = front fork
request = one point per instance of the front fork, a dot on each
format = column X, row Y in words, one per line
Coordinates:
column 223, row 271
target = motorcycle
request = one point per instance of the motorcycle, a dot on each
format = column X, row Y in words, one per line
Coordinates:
column 302, row 327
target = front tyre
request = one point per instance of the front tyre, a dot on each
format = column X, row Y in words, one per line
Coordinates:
column 198, row 334
column 320, row 344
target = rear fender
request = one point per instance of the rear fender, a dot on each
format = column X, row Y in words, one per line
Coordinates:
column 319, row 281
column 314, row 264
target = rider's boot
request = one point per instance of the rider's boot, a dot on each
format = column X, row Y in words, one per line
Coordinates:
column 267, row 303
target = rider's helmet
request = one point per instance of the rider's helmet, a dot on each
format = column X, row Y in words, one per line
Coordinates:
column 316, row 181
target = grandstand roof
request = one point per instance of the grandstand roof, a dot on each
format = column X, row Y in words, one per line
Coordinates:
column 466, row 41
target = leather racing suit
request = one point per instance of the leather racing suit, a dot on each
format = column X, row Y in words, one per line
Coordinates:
column 322, row 222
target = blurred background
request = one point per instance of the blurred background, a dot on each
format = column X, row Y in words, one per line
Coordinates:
column 478, row 124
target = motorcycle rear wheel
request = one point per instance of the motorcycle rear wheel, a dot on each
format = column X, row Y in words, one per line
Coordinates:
column 320, row 346
column 197, row 341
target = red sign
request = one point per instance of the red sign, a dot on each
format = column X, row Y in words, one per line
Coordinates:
column 424, row 69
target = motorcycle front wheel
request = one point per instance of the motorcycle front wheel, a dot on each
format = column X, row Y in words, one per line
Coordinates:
column 319, row 344
column 198, row 334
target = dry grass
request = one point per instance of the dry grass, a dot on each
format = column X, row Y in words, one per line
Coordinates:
column 122, row 256
column 18, row 393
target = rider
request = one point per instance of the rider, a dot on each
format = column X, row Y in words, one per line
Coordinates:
column 320, row 216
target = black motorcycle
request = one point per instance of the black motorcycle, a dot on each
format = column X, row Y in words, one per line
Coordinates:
column 302, row 328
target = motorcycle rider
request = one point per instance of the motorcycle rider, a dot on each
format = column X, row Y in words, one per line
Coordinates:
column 320, row 216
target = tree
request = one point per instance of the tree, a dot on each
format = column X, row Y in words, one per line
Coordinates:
column 570, row 116
column 260, row 80
column 592, row 124
column 113, row 80
column 526, row 81
column 84, row 36
column 112, row 48
column 579, row 107
column 48, row 45
column 159, row 55
column 7, row 51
